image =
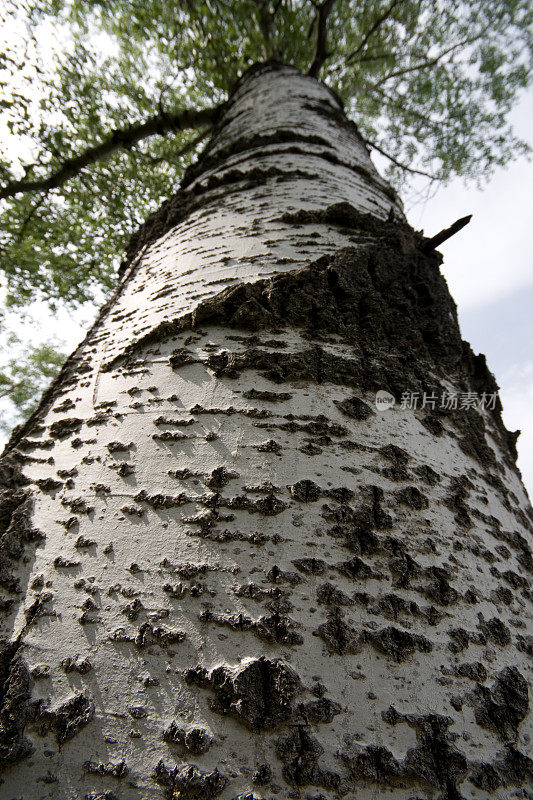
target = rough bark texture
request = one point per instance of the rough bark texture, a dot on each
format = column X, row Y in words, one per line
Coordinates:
column 225, row 574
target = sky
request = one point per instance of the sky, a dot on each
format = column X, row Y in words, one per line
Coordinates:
column 488, row 267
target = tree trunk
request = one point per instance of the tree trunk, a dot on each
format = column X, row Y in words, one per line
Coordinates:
column 227, row 573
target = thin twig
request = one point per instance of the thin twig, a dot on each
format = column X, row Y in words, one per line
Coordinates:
column 377, row 24
column 27, row 220
column 7, row 388
column 120, row 139
column 399, row 163
column 190, row 145
column 397, row 103
column 321, row 53
column 373, row 57
column 432, row 61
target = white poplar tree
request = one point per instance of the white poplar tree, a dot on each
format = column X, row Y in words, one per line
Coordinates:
column 227, row 573
column 264, row 536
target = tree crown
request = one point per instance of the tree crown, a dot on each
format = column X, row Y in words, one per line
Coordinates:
column 429, row 83
column 101, row 123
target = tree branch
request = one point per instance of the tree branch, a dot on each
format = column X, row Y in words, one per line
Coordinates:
column 374, row 57
column 432, row 61
column 190, row 145
column 120, row 139
column 447, row 233
column 377, row 24
column 7, row 386
column 399, row 163
column 322, row 13
column 265, row 21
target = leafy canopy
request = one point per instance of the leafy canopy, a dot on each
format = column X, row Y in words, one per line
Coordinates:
column 23, row 380
column 428, row 82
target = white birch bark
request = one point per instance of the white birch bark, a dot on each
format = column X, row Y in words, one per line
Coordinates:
column 225, row 573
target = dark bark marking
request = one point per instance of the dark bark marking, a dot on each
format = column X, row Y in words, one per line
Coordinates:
column 16, row 531
column 196, row 740
column 119, row 770
column 259, row 693
column 63, row 428
column 502, row 707
column 511, row 768
column 434, row 761
column 305, row 490
column 15, row 705
column 397, row 644
column 354, row 407
column 339, row 637
column 413, row 497
column 299, row 752
column 160, row 635
column 189, row 782
column 276, row 628
column 68, row 718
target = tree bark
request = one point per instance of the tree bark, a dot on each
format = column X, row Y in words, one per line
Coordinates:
column 226, row 572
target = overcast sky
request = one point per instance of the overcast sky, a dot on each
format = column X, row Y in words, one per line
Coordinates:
column 489, row 269
column 488, row 266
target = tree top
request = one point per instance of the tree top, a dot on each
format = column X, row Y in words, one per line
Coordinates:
column 105, row 105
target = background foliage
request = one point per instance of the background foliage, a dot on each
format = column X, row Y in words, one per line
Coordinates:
column 23, row 379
